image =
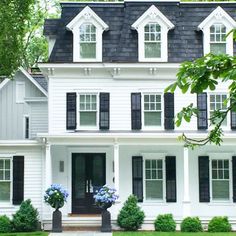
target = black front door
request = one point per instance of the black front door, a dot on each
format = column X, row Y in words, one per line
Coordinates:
column 88, row 175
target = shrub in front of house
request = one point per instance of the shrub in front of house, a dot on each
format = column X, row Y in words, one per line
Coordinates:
column 219, row 224
column 5, row 224
column 191, row 224
column 26, row 218
column 131, row 217
column 165, row 223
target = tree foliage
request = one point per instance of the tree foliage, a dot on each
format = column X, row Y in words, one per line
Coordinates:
column 203, row 74
column 14, row 15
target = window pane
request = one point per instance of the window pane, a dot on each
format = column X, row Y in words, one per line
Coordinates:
column 159, row 174
column 5, row 191
column 1, row 175
column 1, row 164
column 88, row 50
column 214, row 174
column 152, row 50
column 154, row 189
column 7, row 175
column 220, row 189
column 88, row 118
column 218, row 48
column 82, row 107
column 146, row 98
column 154, row 164
column 226, row 164
column 148, row 174
column 220, row 164
column 214, row 164
column 154, row 174
column 152, row 118
column 148, row 164
column 226, row 174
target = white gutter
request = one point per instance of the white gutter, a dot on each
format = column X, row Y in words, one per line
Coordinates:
column 14, row 143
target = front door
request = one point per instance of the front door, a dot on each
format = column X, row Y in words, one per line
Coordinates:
column 88, row 175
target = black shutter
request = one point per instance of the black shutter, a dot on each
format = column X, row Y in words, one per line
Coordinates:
column 169, row 110
column 18, row 180
column 137, row 173
column 170, row 178
column 202, row 111
column 234, row 177
column 104, row 111
column 136, row 111
column 71, row 111
column 204, row 184
column 233, row 120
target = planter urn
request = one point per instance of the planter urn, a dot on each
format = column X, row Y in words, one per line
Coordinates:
column 56, row 221
column 106, row 218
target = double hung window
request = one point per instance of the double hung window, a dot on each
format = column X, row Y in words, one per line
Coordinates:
column 218, row 39
column 5, row 179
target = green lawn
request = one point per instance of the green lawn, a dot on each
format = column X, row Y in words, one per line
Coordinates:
column 26, row 234
column 170, row 234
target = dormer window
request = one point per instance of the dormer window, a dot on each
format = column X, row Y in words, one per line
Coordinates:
column 152, row 40
column 87, row 41
column 152, row 29
column 87, row 28
column 215, row 28
column 218, row 39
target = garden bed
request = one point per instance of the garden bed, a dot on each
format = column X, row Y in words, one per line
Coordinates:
column 170, row 234
column 25, row 234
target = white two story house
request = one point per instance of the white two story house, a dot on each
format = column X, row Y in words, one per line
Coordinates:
column 109, row 121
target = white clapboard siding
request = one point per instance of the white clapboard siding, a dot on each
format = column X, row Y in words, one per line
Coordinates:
column 12, row 113
column 38, row 118
column 32, row 176
column 120, row 99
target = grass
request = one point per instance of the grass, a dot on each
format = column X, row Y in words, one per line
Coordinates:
column 170, row 234
column 26, row 234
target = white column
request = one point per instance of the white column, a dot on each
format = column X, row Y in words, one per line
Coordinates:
column 48, row 166
column 116, row 167
column 186, row 200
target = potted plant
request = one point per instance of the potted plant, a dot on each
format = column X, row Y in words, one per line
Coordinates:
column 105, row 198
column 56, row 197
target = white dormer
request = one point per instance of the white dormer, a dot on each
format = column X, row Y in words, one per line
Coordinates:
column 87, row 28
column 152, row 29
column 215, row 28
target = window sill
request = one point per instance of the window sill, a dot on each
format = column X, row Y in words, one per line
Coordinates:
column 6, row 206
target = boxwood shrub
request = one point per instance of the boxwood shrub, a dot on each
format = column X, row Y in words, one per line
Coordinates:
column 131, row 217
column 165, row 223
column 26, row 218
column 219, row 224
column 5, row 224
column 191, row 224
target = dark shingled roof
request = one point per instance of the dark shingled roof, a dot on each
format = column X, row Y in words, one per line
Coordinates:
column 120, row 42
column 41, row 80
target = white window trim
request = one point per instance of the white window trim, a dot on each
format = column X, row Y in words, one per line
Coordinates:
column 17, row 92
column 221, row 157
column 24, row 126
column 5, row 203
column 153, row 15
column 87, row 15
column 218, row 16
column 225, row 127
column 161, row 127
column 154, row 156
column 78, row 112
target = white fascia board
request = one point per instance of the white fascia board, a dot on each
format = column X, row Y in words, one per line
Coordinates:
column 19, row 143
column 153, row 13
column 133, row 135
column 87, row 13
column 36, row 99
column 219, row 14
column 4, row 82
column 108, row 65
column 33, row 81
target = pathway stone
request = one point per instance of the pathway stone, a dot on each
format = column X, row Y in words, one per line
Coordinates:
column 80, row 233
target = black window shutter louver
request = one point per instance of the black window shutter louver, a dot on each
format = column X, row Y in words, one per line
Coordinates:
column 104, row 122
column 233, row 119
column 137, row 175
column 234, row 177
column 204, row 182
column 169, row 111
column 136, row 123
column 170, row 179
column 18, row 180
column 71, row 111
column 202, row 111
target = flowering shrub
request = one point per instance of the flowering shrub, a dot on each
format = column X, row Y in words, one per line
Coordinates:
column 105, row 197
column 56, row 196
